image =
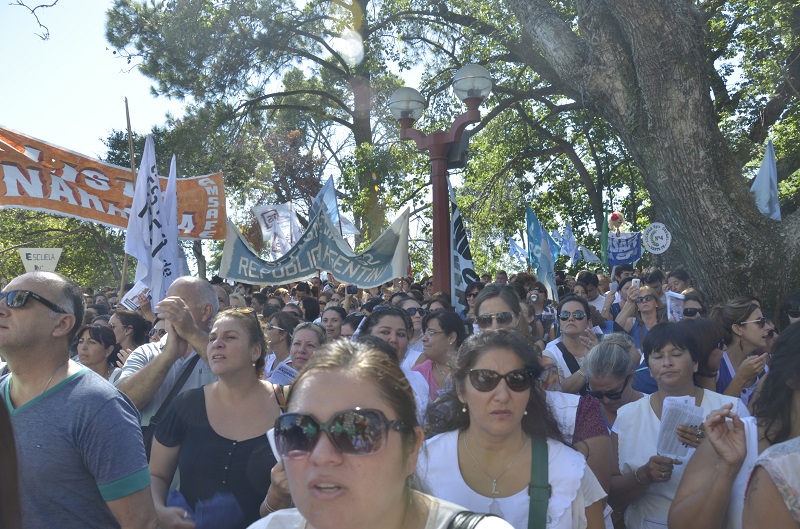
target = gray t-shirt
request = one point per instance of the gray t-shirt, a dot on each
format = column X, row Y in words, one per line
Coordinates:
column 143, row 355
column 79, row 445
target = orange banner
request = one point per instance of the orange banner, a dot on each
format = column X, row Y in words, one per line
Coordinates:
column 39, row 176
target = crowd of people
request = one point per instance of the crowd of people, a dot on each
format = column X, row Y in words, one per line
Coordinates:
column 501, row 409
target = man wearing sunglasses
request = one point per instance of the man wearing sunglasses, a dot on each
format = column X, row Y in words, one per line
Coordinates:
column 70, row 426
column 152, row 370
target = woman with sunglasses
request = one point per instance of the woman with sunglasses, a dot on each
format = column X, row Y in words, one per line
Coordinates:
column 470, row 295
column 279, row 340
column 610, row 366
column 716, row 477
column 644, row 483
column 349, row 456
column 214, row 435
column 694, row 304
column 415, row 311
column 158, row 331
column 577, row 337
column 442, row 335
column 745, row 359
column 130, row 329
column 483, row 460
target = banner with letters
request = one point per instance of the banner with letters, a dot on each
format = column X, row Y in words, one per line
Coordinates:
column 321, row 247
column 463, row 271
column 42, row 177
column 624, row 248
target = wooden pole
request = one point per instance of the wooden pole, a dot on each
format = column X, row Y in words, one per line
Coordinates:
column 133, row 179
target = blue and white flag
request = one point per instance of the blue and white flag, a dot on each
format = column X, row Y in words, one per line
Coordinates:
column 534, row 232
column 463, row 270
column 327, row 198
column 517, row 252
column 624, row 248
column 146, row 238
column 556, row 241
column 569, row 246
column 588, row 256
column 174, row 249
column 765, row 186
column 540, row 246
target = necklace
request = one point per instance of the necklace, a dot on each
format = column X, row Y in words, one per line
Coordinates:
column 485, row 471
column 439, row 369
column 11, row 379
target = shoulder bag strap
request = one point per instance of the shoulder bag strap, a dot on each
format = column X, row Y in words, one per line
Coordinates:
column 187, row 370
column 539, row 489
column 280, row 396
column 467, row 520
column 569, row 358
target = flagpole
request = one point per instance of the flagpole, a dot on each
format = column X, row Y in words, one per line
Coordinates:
column 133, row 180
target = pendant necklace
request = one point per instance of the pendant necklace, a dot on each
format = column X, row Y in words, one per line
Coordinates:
column 495, row 492
column 444, row 377
column 11, row 378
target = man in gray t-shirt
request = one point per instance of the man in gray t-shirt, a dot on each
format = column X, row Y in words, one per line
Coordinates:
column 79, row 445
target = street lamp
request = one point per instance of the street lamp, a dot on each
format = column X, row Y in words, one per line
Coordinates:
column 472, row 83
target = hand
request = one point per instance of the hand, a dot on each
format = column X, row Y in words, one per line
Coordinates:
column 175, row 346
column 728, row 440
column 122, row 356
column 279, row 487
column 690, row 435
column 658, row 469
column 174, row 310
column 588, row 338
column 174, row 518
column 751, row 367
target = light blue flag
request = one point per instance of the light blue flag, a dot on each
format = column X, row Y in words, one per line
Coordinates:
column 517, row 252
column 534, row 237
column 569, row 246
column 765, row 186
column 326, row 198
column 588, row 255
column 546, row 271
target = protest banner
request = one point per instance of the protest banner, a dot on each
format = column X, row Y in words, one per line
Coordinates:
column 624, row 248
column 38, row 176
column 321, row 247
column 463, row 271
column 280, row 227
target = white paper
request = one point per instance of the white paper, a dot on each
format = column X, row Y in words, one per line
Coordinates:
column 677, row 411
column 674, row 305
column 283, row 375
column 137, row 295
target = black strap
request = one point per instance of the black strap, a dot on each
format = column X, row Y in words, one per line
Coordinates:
column 187, row 370
column 467, row 520
column 539, row 488
column 572, row 363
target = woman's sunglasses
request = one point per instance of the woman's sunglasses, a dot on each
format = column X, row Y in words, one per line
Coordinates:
column 642, row 299
column 691, row 313
column 158, row 332
column 577, row 314
column 484, row 321
column 611, row 395
column 760, row 322
column 416, row 310
column 472, row 295
column 486, row 380
column 271, row 327
column 356, row 432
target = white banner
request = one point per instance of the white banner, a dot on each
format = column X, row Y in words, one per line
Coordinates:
column 280, row 227
column 40, row 259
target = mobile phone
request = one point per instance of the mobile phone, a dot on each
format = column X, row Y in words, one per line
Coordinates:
column 635, row 283
column 351, row 289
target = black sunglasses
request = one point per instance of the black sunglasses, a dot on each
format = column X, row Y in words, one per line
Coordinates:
column 16, row 299
column 157, row 332
column 611, row 395
column 642, row 299
column 475, row 295
column 692, row 312
column 760, row 322
column 484, row 321
column 355, row 432
column 486, row 380
column 416, row 310
column 577, row 314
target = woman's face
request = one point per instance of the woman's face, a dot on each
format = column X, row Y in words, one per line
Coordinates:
column 497, row 412
column 648, row 303
column 304, row 343
column 274, row 333
column 332, row 323
column 229, row 348
column 272, row 302
column 347, row 331
column 579, row 291
column 393, row 330
column 623, row 292
column 294, row 309
column 120, row 330
column 677, row 285
column 605, row 386
column 672, row 367
column 435, row 307
column 158, row 331
column 435, row 342
column 334, row 490
column 754, row 337
column 472, row 294
column 416, row 318
column 692, row 304
column 91, row 352
column 573, row 326
column 496, row 306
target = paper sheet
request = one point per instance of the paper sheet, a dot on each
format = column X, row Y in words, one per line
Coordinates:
column 677, row 411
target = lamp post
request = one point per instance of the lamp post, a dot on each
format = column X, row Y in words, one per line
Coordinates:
column 472, row 83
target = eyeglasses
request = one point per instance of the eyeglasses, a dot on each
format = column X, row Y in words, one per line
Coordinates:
column 642, row 299
column 157, row 332
column 691, row 313
column 793, row 313
column 271, row 327
column 611, row 395
column 484, row 321
column 486, row 380
column 16, row 299
column 432, row 333
column 760, row 322
column 475, row 295
column 355, row 432
column 577, row 314
column 416, row 310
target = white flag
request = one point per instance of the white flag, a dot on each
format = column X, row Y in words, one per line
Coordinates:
column 146, row 237
column 174, row 249
column 765, row 186
column 280, row 227
column 327, row 198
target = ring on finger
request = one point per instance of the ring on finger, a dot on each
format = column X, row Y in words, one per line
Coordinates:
column 663, row 475
column 699, row 434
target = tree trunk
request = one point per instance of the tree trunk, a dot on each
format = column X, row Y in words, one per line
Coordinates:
column 641, row 65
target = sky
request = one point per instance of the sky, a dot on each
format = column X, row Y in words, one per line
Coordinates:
column 69, row 90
